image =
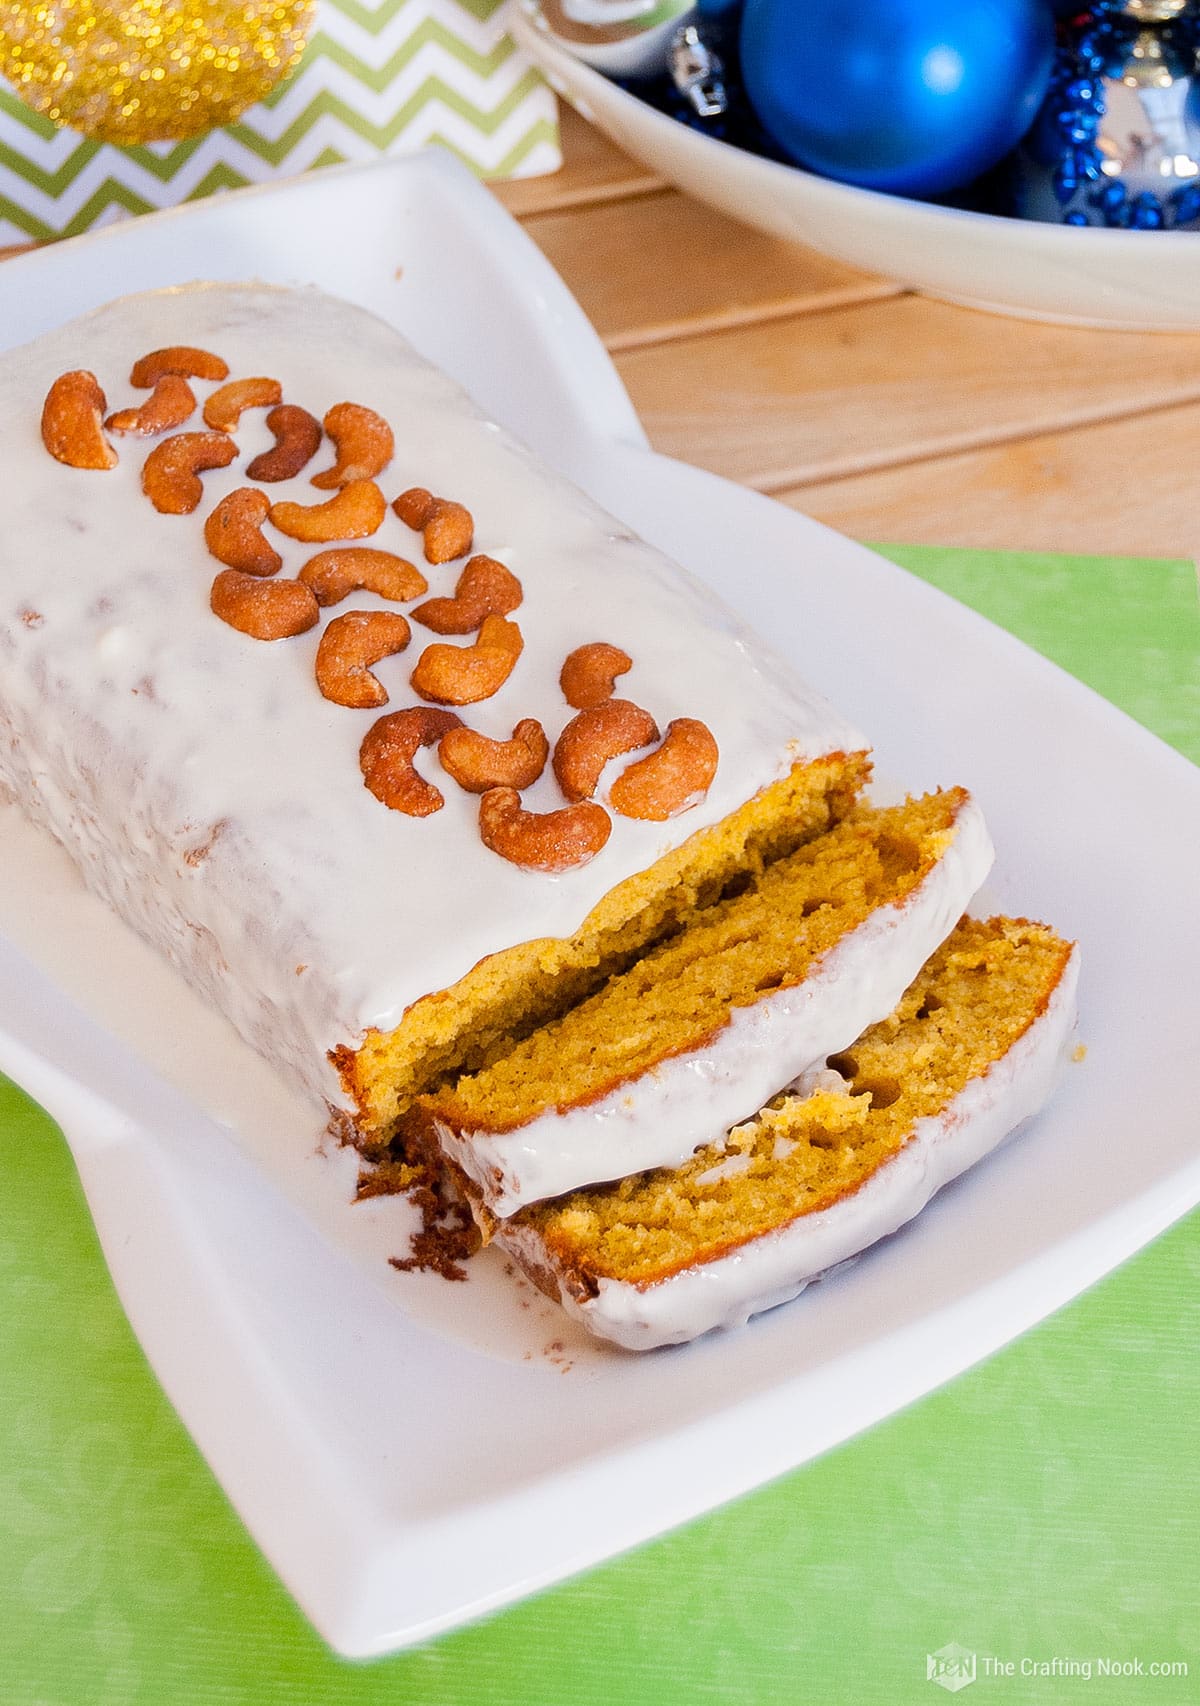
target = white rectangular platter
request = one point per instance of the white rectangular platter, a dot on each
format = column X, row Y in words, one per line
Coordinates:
column 405, row 1451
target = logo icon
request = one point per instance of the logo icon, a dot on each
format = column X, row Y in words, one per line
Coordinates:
column 952, row 1667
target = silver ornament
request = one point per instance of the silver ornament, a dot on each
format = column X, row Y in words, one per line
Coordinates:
column 697, row 72
column 1118, row 142
column 623, row 38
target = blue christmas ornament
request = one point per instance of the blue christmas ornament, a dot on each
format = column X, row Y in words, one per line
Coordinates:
column 916, row 97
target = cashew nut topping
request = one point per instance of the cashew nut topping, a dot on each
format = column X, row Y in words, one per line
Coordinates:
column 387, row 753
column 171, row 473
column 447, row 528
column 462, row 675
column 353, row 513
column 224, row 409
column 345, row 569
column 485, row 588
column 449, row 532
column 264, row 609
column 171, row 403
column 297, row 439
column 349, row 646
column 233, row 533
column 590, row 672
column 364, row 444
column 542, row 841
column 478, row 763
column 71, row 422
column 594, row 736
column 415, row 507
column 671, row 780
column 179, row 358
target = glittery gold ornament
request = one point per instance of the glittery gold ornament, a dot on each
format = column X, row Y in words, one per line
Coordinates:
column 131, row 71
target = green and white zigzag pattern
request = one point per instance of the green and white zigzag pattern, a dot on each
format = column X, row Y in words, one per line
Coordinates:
column 378, row 77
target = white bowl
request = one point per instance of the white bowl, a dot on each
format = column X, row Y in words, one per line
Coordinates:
column 1130, row 280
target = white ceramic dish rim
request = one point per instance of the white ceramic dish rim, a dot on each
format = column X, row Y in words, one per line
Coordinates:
column 359, row 1592
column 566, row 330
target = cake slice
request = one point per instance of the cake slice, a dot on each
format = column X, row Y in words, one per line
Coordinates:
column 703, row 1028
column 191, row 594
column 826, row 1169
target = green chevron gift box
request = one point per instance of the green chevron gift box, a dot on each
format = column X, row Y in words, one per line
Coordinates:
column 114, row 107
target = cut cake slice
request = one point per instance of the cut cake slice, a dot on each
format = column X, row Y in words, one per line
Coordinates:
column 973, row 1049
column 700, row 1031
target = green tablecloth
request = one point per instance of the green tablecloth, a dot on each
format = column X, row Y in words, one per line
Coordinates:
column 1041, row 1511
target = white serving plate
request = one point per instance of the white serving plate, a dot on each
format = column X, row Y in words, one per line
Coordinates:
column 405, row 1451
column 1127, row 280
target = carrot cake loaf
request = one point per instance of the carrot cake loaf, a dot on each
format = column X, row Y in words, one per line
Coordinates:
column 390, row 738
column 837, row 1162
column 484, row 821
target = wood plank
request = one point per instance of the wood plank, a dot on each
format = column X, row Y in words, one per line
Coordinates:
column 827, row 395
column 663, row 266
column 1125, row 487
column 593, row 170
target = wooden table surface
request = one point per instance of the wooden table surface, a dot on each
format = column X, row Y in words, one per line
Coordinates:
column 893, row 417
column 886, row 414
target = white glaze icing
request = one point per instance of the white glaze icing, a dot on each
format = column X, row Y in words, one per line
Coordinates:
column 205, row 788
column 660, row 1118
column 820, row 1077
column 772, row 1269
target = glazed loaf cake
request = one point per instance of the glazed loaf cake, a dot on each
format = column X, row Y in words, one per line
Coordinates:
column 258, row 776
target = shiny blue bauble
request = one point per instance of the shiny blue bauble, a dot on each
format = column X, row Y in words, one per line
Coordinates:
column 911, row 96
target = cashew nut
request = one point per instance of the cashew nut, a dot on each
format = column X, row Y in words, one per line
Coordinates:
column 349, row 646
column 353, row 513
column 542, row 841
column 334, row 574
column 233, row 533
column 478, row 763
column 264, row 609
column 182, row 359
column 224, row 409
column 171, row 403
column 590, row 672
column 671, row 780
column 297, row 439
column 71, row 422
column 364, row 444
column 447, row 528
column 415, row 507
column 171, row 473
column 387, row 753
column 485, row 588
column 462, row 675
column 594, row 736
column 448, row 533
